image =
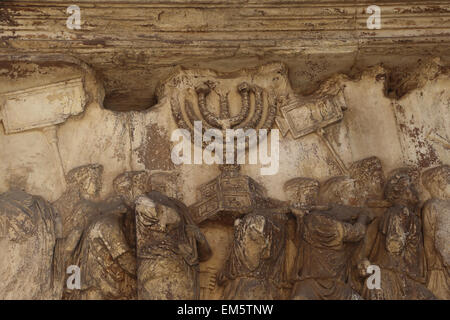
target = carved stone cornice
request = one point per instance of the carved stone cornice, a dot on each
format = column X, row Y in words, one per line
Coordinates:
column 144, row 39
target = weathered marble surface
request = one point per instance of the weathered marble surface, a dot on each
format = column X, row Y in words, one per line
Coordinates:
column 364, row 211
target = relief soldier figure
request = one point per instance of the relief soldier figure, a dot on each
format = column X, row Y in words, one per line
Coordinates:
column 77, row 207
column 78, row 203
column 255, row 267
column 327, row 239
column 29, row 227
column 436, row 230
column 398, row 248
column 169, row 246
column 106, row 253
column 369, row 180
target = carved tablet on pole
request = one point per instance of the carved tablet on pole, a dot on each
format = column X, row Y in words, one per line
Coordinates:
column 43, row 108
column 304, row 116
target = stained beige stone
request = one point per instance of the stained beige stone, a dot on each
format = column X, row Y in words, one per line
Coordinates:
column 29, row 229
column 357, row 117
column 436, row 228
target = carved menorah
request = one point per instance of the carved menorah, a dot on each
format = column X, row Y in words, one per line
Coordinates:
column 260, row 116
column 225, row 121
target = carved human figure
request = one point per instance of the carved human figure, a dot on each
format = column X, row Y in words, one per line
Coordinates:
column 77, row 207
column 255, row 266
column 327, row 237
column 169, row 248
column 77, row 204
column 398, row 248
column 106, row 253
column 29, row 226
column 369, row 180
column 302, row 192
column 436, row 230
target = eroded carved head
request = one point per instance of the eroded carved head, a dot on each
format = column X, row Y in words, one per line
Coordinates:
column 369, row 177
column 87, row 180
column 437, row 181
column 303, row 191
column 400, row 187
column 166, row 183
column 340, row 190
column 156, row 216
column 130, row 185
